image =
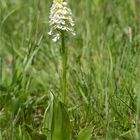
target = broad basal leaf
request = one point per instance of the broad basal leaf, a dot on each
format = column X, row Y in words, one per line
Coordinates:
column 56, row 121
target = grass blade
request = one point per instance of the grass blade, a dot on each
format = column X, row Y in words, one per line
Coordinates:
column 85, row 133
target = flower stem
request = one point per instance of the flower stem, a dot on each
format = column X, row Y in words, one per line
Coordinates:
column 64, row 69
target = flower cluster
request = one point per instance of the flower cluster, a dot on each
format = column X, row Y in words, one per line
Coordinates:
column 60, row 19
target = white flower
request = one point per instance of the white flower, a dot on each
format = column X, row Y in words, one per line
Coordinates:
column 60, row 19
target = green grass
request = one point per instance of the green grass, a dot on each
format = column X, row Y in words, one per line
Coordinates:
column 103, row 70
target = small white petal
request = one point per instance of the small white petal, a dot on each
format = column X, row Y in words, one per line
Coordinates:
column 55, row 39
column 74, row 34
column 65, row 3
column 50, row 33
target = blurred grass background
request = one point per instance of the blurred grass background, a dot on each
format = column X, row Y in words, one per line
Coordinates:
column 103, row 67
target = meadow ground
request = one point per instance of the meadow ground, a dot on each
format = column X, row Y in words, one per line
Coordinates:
column 103, row 71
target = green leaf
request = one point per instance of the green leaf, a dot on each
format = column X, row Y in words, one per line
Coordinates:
column 85, row 134
column 48, row 117
column 61, row 128
column 0, row 135
column 15, row 106
column 27, row 136
column 22, row 134
column 56, row 121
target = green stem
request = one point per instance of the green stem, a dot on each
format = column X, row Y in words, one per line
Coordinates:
column 64, row 71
